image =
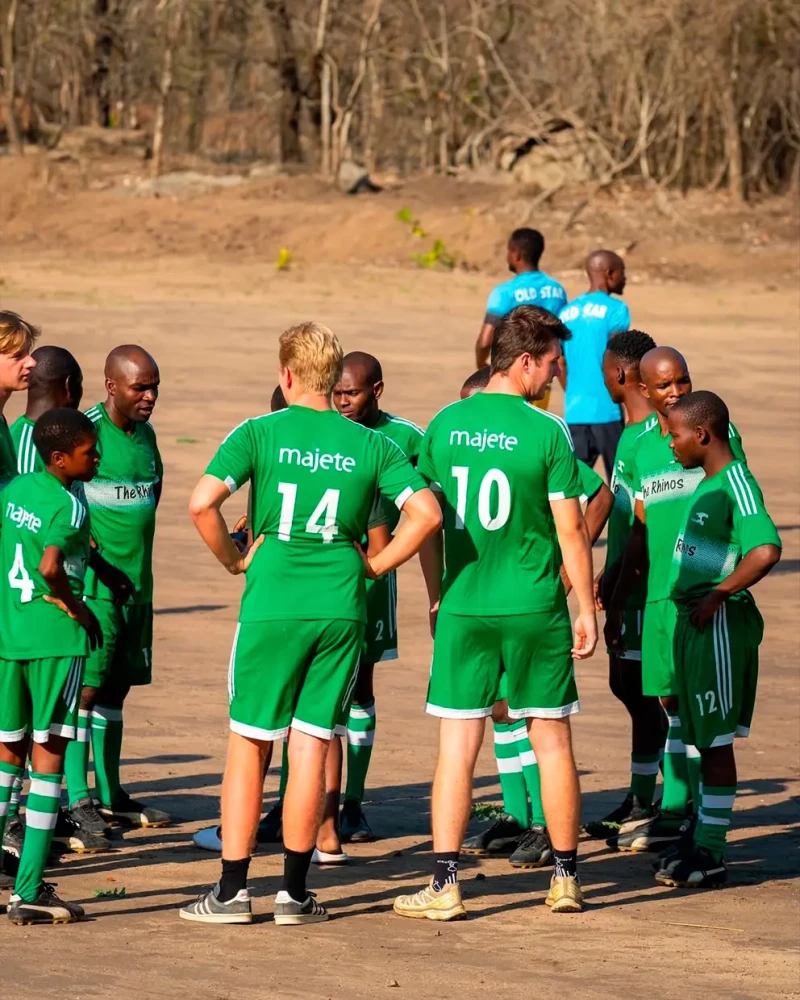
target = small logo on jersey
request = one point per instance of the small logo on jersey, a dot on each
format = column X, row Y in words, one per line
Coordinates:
column 23, row 518
column 700, row 518
column 483, row 440
column 313, row 460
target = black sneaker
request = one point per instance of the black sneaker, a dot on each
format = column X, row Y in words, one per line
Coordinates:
column 128, row 812
column 698, row 870
column 85, row 815
column 502, row 837
column 47, row 908
column 68, row 836
column 628, row 812
column 9, row 865
column 14, row 835
column 270, row 829
column 208, row 908
column 533, row 850
column 682, row 847
column 353, row 825
column 288, row 912
column 653, row 834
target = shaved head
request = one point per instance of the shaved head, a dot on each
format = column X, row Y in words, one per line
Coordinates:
column 367, row 366
column 126, row 359
column 55, row 382
column 665, row 378
column 606, row 271
column 132, row 381
column 599, row 261
column 357, row 394
column 658, row 358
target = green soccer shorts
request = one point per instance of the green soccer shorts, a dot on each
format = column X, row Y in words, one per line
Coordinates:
column 471, row 654
column 292, row 674
column 658, row 639
column 632, row 624
column 380, row 637
column 40, row 697
column 126, row 655
column 717, row 673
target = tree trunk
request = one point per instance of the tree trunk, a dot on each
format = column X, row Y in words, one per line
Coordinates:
column 9, row 73
column 197, row 99
column 291, row 96
column 100, row 82
column 174, row 25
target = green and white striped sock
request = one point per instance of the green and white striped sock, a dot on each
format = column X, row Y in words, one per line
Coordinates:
column 716, row 810
column 509, row 770
column 76, row 760
column 530, row 772
column 361, row 726
column 693, row 769
column 644, row 773
column 16, row 796
column 675, row 797
column 9, row 776
column 41, row 813
column 107, row 751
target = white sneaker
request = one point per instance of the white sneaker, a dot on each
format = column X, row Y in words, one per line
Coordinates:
column 209, row 839
column 324, row 858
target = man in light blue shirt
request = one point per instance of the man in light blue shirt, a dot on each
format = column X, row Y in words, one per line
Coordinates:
column 594, row 419
column 528, row 287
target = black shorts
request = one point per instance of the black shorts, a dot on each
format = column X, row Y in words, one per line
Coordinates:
column 595, row 440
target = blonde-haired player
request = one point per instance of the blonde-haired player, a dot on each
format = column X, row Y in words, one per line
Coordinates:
column 292, row 669
column 17, row 338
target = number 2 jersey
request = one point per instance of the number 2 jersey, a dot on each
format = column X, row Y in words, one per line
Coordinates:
column 499, row 462
column 314, row 477
column 38, row 512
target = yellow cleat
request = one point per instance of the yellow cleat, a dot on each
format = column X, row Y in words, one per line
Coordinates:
column 565, row 896
column 442, row 905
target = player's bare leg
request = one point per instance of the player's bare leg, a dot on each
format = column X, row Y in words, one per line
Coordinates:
column 329, row 846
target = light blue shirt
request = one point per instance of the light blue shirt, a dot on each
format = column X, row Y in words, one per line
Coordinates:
column 531, row 288
column 591, row 320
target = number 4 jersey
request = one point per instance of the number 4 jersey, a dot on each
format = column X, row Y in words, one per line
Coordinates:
column 38, row 512
column 499, row 462
column 314, row 478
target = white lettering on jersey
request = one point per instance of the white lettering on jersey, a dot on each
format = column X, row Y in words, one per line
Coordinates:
column 313, row 460
column 483, row 440
column 23, row 518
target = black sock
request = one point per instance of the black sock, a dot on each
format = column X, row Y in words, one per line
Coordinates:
column 566, row 863
column 295, row 869
column 445, row 869
column 234, row 878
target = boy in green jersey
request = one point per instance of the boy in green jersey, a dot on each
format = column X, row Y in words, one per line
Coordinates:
column 621, row 362
column 46, row 631
column 357, row 397
column 662, row 489
column 122, row 499
column 727, row 543
column 509, row 485
column 313, row 479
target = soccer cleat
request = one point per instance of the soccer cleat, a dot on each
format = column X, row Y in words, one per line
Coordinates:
column 208, row 908
column 502, row 837
column 128, row 812
column 47, row 908
column 68, row 836
column 630, row 812
column 653, row 834
column 270, row 829
column 353, row 825
column 85, row 815
column 208, row 839
column 432, row 905
column 13, row 836
column 533, row 850
column 681, row 848
column 9, row 864
column 565, row 895
column 697, row 870
column 288, row 912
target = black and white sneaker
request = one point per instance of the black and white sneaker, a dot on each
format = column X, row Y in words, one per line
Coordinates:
column 288, row 912
column 13, row 836
column 533, row 850
column 270, row 828
column 47, row 908
column 9, row 865
column 682, row 847
column 85, row 815
column 698, row 870
column 628, row 813
column 353, row 825
column 501, row 837
column 652, row 834
column 128, row 812
column 208, row 908
column 68, row 836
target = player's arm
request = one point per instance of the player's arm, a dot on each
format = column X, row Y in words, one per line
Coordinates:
column 483, row 345
column 378, row 538
column 204, row 510
column 51, row 568
column 576, row 553
column 117, row 582
column 598, row 509
column 621, row 579
column 423, row 519
column 753, row 567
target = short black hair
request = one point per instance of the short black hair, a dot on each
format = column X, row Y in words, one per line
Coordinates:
column 278, row 401
column 368, row 363
column 54, row 366
column 62, row 430
column 705, row 409
column 526, row 329
column 529, row 244
column 478, row 380
column 630, row 346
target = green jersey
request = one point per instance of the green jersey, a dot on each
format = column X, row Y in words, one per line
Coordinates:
column 8, row 457
column 589, row 480
column 499, row 462
column 408, row 437
column 38, row 512
column 620, row 520
column 665, row 487
column 28, row 458
column 313, row 480
column 122, row 499
column 725, row 519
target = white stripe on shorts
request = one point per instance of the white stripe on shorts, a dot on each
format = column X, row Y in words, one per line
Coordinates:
column 545, row 713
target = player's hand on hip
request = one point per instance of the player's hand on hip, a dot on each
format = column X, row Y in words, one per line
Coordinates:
column 247, row 557
column 704, row 609
column 584, row 632
column 120, row 586
column 613, row 633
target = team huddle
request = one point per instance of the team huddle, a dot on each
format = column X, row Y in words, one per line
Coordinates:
column 502, row 515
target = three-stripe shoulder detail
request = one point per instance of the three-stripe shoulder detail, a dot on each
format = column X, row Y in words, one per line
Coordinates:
column 560, row 421
column 745, row 498
column 407, row 423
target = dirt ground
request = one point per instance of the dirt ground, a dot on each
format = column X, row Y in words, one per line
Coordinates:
column 213, row 328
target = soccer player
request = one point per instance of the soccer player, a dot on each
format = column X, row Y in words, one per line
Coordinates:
column 55, row 382
column 44, row 628
column 621, row 374
column 661, row 491
column 293, row 666
column 594, row 418
column 727, row 543
column 521, row 828
column 122, row 499
column 509, row 484
column 357, row 397
column 529, row 286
